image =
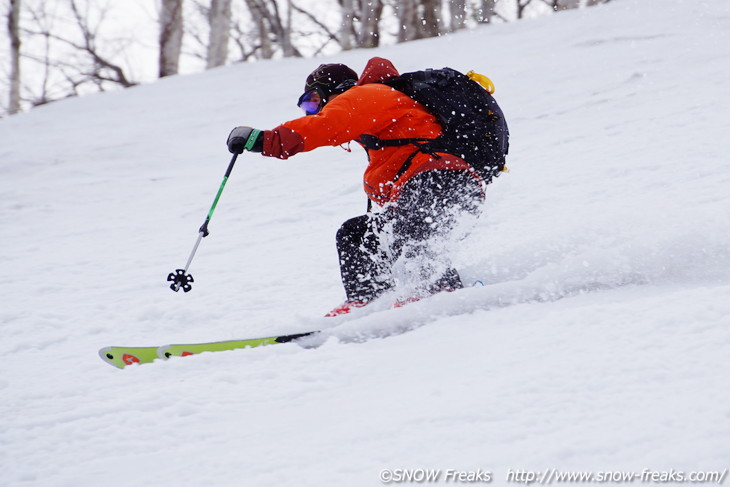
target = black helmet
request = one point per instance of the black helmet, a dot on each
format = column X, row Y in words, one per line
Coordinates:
column 331, row 79
column 326, row 80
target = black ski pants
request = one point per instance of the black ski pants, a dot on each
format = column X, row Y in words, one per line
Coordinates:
column 412, row 231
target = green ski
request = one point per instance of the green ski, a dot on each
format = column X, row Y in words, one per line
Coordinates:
column 123, row 356
column 168, row 351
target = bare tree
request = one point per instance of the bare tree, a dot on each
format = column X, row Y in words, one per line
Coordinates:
column 360, row 23
column 69, row 63
column 103, row 69
column 283, row 29
column 457, row 11
column 347, row 27
column 521, row 6
column 269, row 31
column 41, row 25
column 219, row 19
column 272, row 29
column 171, row 34
column 430, row 12
column 370, row 13
column 486, row 11
column 14, row 33
column 197, row 30
column 328, row 34
column 408, row 21
column 558, row 5
column 419, row 19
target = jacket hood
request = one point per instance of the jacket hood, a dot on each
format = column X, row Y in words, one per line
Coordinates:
column 378, row 69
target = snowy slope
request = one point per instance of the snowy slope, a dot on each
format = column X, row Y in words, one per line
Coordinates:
column 599, row 343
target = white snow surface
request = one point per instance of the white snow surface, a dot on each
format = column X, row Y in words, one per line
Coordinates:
column 599, row 342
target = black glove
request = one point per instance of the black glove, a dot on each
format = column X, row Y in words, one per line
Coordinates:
column 245, row 138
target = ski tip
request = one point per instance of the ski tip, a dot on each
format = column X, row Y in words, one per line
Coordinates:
column 108, row 355
column 122, row 357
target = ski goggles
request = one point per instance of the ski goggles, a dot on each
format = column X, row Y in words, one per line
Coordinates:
column 312, row 101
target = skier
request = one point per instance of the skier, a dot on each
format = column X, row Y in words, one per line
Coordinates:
column 421, row 195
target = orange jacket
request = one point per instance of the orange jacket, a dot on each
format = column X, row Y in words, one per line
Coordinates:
column 374, row 109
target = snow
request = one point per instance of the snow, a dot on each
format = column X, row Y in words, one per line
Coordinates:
column 598, row 343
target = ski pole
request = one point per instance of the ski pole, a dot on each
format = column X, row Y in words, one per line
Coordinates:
column 180, row 278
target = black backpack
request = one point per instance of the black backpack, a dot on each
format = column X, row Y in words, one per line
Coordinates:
column 474, row 127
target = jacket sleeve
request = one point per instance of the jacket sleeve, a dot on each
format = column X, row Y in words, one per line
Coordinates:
column 357, row 111
column 282, row 142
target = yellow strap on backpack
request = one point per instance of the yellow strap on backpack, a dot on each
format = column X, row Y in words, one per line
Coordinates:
column 482, row 80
